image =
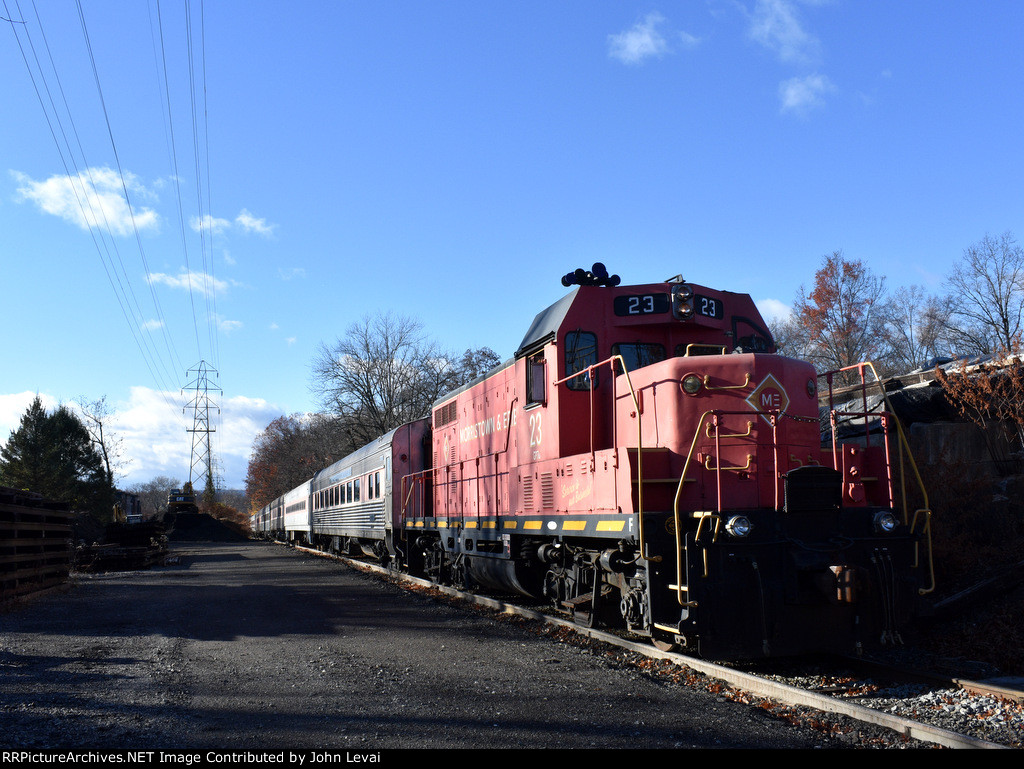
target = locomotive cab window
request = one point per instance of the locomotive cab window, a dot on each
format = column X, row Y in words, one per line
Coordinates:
column 536, row 380
column 639, row 354
column 580, row 352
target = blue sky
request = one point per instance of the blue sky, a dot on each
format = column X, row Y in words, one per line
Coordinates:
column 450, row 161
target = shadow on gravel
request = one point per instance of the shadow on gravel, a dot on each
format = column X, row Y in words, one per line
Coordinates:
column 217, row 729
column 187, row 560
column 222, row 593
column 74, row 701
column 84, row 669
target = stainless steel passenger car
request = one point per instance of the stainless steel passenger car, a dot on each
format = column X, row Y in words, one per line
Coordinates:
column 355, row 507
column 296, row 506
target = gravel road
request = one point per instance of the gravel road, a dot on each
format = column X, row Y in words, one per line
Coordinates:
column 255, row 646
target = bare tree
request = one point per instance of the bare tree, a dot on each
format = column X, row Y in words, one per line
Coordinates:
column 153, row 494
column 986, row 297
column 383, row 373
column 790, row 339
column 475, row 363
column 913, row 326
column 96, row 419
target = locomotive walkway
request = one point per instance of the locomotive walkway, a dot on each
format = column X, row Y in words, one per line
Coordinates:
column 251, row 645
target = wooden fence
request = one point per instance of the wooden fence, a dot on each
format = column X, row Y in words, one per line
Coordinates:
column 35, row 543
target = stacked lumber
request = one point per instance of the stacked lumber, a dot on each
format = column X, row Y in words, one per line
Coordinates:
column 35, row 541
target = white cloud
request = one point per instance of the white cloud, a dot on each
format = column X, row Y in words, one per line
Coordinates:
column 13, row 408
column 800, row 94
column 155, row 436
column 154, row 432
column 294, row 272
column 94, row 198
column 153, row 325
column 773, row 310
column 209, row 223
column 192, row 281
column 227, row 326
column 291, row 340
column 687, row 40
column 775, row 25
column 250, row 223
column 640, row 42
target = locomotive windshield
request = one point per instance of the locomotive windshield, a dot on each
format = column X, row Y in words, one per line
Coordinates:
column 639, row 354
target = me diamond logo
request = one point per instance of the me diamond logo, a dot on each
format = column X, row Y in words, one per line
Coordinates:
column 768, row 396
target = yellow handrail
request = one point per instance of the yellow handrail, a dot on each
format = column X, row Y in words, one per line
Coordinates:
column 709, row 386
column 904, row 449
column 639, row 437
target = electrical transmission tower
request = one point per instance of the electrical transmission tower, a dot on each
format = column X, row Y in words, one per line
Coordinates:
column 201, row 468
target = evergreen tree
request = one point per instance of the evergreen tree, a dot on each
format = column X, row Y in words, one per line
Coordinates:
column 24, row 460
column 53, row 455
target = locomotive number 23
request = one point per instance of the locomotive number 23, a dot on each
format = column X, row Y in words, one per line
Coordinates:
column 707, row 306
column 640, row 305
column 535, row 433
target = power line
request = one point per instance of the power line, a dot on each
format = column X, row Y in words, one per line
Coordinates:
column 84, row 184
column 118, row 278
column 177, row 178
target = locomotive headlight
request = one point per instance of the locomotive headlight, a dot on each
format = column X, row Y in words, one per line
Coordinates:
column 682, row 301
column 885, row 521
column 738, row 526
column 691, row 384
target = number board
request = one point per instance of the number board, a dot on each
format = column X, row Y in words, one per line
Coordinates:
column 707, row 306
column 643, row 304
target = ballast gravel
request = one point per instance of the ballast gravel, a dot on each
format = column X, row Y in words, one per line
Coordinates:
column 981, row 716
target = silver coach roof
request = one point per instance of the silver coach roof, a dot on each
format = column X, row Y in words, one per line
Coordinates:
column 325, row 476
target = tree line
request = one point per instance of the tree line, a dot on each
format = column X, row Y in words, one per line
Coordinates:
column 56, row 454
column 384, row 372
column 71, row 455
column 848, row 315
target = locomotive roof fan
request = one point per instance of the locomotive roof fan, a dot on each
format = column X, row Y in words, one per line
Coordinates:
column 595, row 276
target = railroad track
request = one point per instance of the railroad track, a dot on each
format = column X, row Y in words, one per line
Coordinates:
column 842, row 693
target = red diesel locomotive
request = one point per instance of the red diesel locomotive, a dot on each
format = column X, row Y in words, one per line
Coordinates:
column 647, row 459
